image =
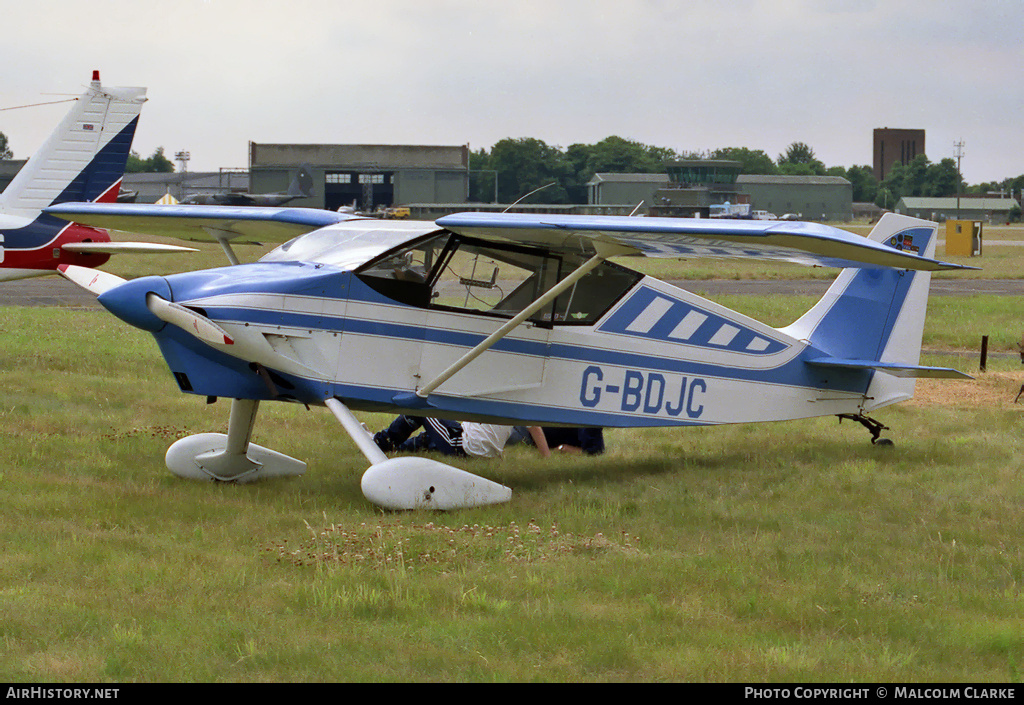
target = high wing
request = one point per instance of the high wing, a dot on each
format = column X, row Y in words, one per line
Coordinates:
column 187, row 220
column 805, row 243
column 787, row 241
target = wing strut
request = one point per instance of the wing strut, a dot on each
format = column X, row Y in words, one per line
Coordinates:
column 223, row 238
column 603, row 252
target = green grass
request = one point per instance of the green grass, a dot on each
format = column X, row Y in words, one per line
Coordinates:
column 774, row 552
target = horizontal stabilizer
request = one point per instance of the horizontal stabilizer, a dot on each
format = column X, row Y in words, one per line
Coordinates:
column 117, row 248
column 810, row 244
column 897, row 369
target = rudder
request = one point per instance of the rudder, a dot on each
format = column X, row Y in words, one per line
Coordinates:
column 84, row 158
column 876, row 314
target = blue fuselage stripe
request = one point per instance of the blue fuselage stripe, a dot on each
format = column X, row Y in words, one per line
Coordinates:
column 793, row 372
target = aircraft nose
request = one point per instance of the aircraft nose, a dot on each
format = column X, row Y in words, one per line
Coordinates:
column 128, row 301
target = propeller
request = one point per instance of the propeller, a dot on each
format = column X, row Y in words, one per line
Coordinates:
column 99, row 282
column 94, row 281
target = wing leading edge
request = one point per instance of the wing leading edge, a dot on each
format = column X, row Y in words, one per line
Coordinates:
column 188, row 220
column 788, row 241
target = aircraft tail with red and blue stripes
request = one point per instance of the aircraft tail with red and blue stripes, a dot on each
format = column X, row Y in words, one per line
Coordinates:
column 83, row 160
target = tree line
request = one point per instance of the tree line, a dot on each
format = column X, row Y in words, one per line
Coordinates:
column 524, row 164
column 513, row 167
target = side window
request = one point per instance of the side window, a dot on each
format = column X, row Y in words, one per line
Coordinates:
column 495, row 280
column 462, row 274
column 410, row 264
column 587, row 300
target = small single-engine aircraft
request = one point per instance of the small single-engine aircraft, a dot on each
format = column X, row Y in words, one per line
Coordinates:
column 511, row 319
column 82, row 160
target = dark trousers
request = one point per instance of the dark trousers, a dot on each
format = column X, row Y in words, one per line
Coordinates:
column 438, row 435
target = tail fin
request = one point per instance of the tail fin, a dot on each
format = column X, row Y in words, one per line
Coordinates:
column 84, row 158
column 302, row 183
column 876, row 315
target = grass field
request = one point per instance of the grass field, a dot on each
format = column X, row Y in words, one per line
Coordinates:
column 792, row 551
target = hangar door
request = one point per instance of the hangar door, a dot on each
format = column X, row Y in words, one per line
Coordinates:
column 368, row 190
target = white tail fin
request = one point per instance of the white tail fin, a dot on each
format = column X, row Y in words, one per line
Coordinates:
column 84, row 158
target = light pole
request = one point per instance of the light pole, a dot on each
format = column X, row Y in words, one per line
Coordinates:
column 959, row 153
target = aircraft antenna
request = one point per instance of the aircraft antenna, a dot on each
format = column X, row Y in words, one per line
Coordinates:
column 524, row 197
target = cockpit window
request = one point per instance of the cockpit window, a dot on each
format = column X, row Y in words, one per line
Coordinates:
column 451, row 272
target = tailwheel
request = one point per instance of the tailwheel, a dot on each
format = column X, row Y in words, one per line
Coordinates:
column 873, row 426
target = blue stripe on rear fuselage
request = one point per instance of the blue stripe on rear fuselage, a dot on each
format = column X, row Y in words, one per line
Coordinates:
column 39, row 233
column 667, row 320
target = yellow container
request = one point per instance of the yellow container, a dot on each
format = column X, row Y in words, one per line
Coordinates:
column 963, row 238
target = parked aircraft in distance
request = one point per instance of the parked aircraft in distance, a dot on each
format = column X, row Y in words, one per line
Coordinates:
column 301, row 187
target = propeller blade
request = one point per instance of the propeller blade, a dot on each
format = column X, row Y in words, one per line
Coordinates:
column 188, row 320
column 92, row 280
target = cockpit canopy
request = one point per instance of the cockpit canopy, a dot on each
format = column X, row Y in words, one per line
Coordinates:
column 452, row 272
column 421, row 265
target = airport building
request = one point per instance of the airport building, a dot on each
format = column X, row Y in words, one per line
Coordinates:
column 987, row 210
column 369, row 177
column 434, row 180
column 809, row 197
column 624, row 189
column 892, row 146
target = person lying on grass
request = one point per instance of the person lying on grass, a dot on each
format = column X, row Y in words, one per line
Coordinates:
column 470, row 439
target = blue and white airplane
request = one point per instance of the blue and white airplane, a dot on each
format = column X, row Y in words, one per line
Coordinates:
column 82, row 160
column 511, row 319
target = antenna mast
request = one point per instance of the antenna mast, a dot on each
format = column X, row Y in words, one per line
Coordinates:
column 959, row 153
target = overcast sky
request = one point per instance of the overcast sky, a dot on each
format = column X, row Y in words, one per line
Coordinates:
column 687, row 75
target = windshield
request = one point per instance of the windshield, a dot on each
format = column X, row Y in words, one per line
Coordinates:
column 350, row 244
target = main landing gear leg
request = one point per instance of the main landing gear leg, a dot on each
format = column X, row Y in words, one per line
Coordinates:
column 875, row 427
column 230, row 458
